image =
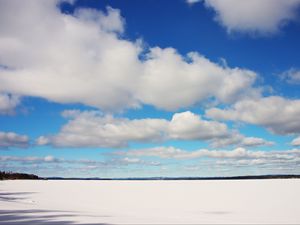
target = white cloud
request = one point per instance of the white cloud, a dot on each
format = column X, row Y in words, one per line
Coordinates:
column 186, row 81
column 291, row 76
column 175, row 153
column 254, row 141
column 92, row 129
column 131, row 160
column 29, row 159
column 277, row 114
column 8, row 103
column 82, row 58
column 288, row 160
column 191, row 2
column 296, row 142
column 271, row 161
column 42, row 140
column 238, row 153
column 110, row 22
column 92, row 164
column 274, row 164
column 255, row 16
column 240, row 140
column 189, row 126
column 10, row 139
column 50, row 158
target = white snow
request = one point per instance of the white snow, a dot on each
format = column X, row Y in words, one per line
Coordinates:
column 149, row 202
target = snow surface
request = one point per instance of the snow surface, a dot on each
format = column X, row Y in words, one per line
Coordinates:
column 148, row 202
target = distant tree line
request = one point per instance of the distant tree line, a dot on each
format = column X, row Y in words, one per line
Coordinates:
column 17, row 176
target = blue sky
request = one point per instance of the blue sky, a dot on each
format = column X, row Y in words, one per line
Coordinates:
column 149, row 88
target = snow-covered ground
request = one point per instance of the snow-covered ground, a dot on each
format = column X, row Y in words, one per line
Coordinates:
column 139, row 202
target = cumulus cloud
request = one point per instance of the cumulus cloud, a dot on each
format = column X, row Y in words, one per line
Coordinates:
column 11, row 139
column 273, row 161
column 288, row 165
column 82, row 58
column 188, row 80
column 255, row 16
column 92, row 164
column 270, row 161
column 192, row 1
column 277, row 114
column 238, row 153
column 30, row 159
column 291, row 76
column 93, row 129
column 240, row 140
column 296, row 142
column 254, row 141
column 85, row 73
column 175, row 153
column 42, row 140
column 8, row 103
column 189, row 126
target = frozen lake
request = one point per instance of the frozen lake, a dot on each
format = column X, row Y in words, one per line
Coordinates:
column 138, row 202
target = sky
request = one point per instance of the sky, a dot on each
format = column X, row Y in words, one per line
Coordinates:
column 130, row 88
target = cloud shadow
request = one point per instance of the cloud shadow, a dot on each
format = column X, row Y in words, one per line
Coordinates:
column 14, row 196
column 38, row 217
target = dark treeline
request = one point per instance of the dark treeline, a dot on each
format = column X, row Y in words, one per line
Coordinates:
column 247, row 177
column 17, row 176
